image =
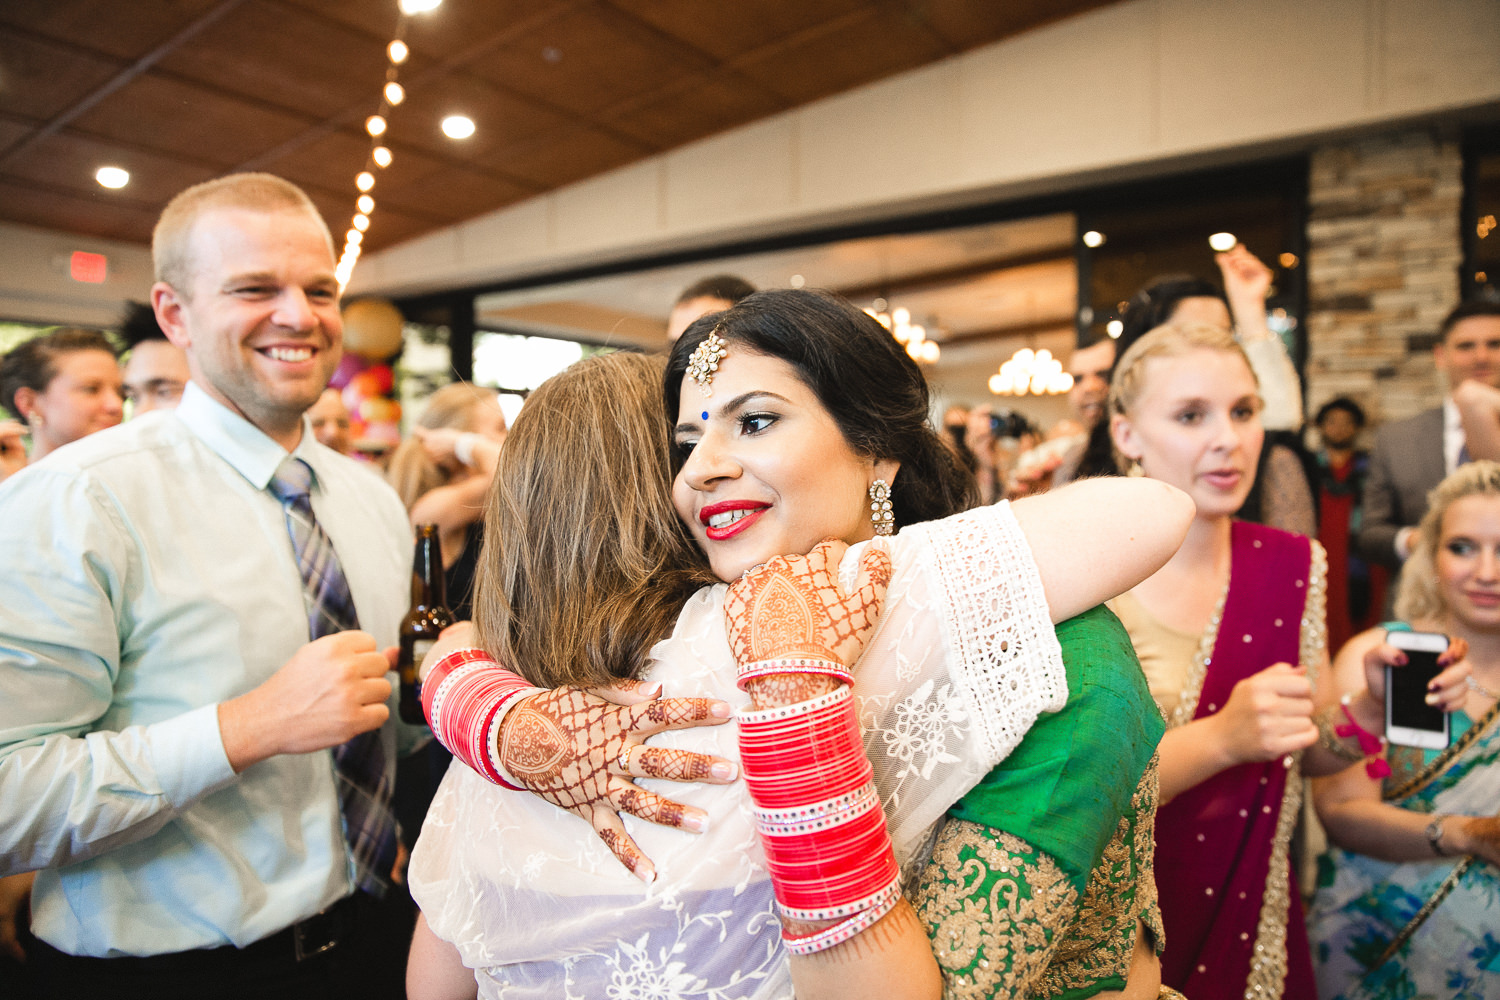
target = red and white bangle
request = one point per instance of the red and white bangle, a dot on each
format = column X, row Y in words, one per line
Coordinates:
column 844, row 930
column 818, row 815
column 463, row 696
column 794, row 665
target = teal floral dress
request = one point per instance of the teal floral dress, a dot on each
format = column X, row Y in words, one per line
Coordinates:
column 1370, row 938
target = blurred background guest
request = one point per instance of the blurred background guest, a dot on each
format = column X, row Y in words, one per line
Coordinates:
column 442, row 473
column 155, row 370
column 1407, row 897
column 1356, row 589
column 712, row 294
column 63, row 385
column 330, row 421
column 1282, row 495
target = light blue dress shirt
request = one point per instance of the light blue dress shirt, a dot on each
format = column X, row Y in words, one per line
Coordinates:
column 148, row 576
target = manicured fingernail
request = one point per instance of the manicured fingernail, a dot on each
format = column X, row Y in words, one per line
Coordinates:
column 1431, row 699
column 696, row 822
column 650, row 689
column 645, row 872
column 720, row 710
column 1434, row 686
column 724, row 770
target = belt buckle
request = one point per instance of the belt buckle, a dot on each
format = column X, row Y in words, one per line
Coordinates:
column 315, row 935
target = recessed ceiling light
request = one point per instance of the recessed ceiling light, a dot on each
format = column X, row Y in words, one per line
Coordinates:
column 458, row 126
column 1093, row 238
column 112, row 177
column 410, row 7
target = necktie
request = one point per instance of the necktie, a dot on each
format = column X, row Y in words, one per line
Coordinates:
column 360, row 764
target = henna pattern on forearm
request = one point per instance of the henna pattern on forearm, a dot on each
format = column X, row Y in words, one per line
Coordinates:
column 776, row 690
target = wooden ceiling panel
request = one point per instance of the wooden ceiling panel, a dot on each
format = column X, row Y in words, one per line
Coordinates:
column 727, row 30
column 171, row 115
column 588, row 60
column 103, row 215
column 501, row 120
column 818, row 64
column 699, row 107
column 287, row 57
column 123, row 30
column 176, row 91
column 68, row 161
column 13, row 130
column 452, row 192
column 39, row 79
column 568, row 155
column 965, row 24
column 329, row 163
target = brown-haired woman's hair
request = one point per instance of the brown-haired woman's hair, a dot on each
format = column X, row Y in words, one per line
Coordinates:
column 585, row 564
column 410, row 470
column 1171, row 340
column 1418, row 598
column 32, row 364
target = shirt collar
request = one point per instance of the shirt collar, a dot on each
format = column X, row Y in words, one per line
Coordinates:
column 239, row 442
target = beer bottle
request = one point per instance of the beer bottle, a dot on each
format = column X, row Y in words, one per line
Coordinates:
column 428, row 616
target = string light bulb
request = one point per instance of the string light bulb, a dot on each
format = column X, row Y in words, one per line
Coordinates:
column 365, row 180
column 381, row 155
column 365, row 204
column 354, row 237
column 398, row 51
column 361, row 222
column 375, row 125
column 394, row 93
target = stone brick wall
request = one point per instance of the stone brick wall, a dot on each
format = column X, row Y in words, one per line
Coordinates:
column 1382, row 270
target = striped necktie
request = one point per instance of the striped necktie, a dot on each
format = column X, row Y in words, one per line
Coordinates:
column 364, row 780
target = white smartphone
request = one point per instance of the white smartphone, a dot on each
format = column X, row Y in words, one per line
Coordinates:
column 1409, row 720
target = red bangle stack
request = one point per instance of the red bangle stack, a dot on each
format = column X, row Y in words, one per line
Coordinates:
column 819, row 817
column 462, row 697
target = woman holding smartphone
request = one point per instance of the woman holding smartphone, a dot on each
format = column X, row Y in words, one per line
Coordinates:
column 1407, row 896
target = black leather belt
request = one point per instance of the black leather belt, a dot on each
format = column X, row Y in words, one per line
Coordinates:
column 315, row 935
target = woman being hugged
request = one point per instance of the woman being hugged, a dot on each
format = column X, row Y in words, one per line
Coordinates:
column 794, row 415
column 1231, row 635
column 1406, row 898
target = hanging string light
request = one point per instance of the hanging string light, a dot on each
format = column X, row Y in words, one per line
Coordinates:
column 380, row 157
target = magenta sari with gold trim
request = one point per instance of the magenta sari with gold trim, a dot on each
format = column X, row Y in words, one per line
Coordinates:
column 1229, row 903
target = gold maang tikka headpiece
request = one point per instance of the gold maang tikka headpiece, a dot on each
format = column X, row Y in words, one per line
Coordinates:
column 703, row 363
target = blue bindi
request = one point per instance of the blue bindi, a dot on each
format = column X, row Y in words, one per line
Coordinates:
column 705, row 414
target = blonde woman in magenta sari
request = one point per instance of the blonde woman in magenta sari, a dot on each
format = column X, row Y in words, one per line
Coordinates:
column 1408, row 895
column 1231, row 636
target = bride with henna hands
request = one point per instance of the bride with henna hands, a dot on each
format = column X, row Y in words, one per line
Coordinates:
column 795, row 415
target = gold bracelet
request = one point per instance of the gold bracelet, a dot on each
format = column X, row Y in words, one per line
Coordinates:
column 1332, row 741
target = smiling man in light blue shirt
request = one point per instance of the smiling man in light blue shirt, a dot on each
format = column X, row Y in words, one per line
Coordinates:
column 165, row 723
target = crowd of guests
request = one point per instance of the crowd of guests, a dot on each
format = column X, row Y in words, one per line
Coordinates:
column 1019, row 714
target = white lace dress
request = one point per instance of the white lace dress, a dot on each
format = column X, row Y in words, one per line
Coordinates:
column 963, row 660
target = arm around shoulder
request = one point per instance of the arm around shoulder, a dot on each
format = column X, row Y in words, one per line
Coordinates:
column 1097, row 538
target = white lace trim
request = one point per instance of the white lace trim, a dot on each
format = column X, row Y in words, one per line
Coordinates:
column 994, row 611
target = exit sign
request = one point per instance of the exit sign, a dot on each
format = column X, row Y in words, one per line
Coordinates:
column 89, row 267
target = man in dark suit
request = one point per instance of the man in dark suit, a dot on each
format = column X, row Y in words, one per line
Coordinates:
column 1412, row 456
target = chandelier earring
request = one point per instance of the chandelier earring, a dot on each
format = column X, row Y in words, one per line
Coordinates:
column 880, row 508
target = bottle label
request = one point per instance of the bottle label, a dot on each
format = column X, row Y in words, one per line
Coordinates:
column 420, row 649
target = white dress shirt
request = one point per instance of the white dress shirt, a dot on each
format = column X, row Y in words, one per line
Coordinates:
column 148, row 577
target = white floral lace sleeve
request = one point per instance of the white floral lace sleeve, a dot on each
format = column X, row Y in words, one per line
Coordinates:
column 962, row 662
